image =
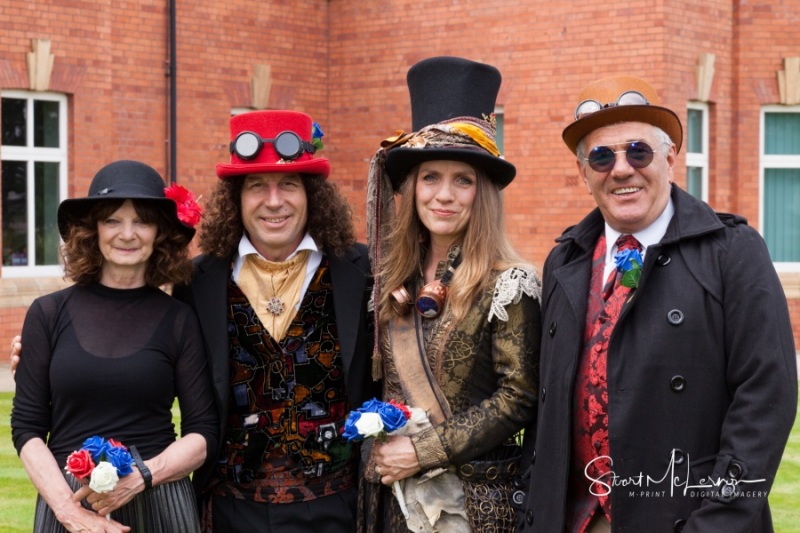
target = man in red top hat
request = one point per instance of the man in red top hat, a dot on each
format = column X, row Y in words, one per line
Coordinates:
column 281, row 292
column 668, row 384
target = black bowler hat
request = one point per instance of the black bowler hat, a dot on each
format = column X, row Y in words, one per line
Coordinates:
column 122, row 180
column 444, row 90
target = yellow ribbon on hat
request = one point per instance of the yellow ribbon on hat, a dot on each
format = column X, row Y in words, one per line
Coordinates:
column 477, row 135
column 430, row 135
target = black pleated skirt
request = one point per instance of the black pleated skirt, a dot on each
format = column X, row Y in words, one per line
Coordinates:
column 167, row 508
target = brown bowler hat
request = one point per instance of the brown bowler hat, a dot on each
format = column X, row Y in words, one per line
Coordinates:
column 606, row 92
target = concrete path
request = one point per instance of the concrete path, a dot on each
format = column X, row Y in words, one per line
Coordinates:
column 6, row 381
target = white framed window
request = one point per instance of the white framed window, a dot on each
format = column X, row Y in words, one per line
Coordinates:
column 779, row 184
column 34, row 181
column 500, row 117
column 697, row 150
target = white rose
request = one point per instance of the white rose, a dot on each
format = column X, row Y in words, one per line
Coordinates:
column 369, row 424
column 104, row 477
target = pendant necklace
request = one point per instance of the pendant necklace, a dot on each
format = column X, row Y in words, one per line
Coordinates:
column 275, row 305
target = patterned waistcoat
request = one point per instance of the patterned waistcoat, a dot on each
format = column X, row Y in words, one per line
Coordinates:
column 283, row 440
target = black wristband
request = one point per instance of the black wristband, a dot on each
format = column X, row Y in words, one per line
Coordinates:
column 146, row 475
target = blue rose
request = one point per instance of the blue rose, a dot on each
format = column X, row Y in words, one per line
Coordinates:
column 371, row 406
column 316, row 136
column 393, row 418
column 350, row 430
column 629, row 263
column 626, row 259
column 96, row 446
column 121, row 459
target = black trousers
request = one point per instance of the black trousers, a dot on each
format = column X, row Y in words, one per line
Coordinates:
column 331, row 514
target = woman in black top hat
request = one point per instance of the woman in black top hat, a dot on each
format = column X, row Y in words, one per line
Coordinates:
column 107, row 356
column 457, row 311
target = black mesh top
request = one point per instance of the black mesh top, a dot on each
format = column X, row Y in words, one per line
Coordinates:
column 109, row 362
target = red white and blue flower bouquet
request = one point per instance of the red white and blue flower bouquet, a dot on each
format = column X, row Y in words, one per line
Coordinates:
column 377, row 419
column 102, row 461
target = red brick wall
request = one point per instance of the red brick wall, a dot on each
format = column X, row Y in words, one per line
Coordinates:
column 546, row 52
column 345, row 62
column 111, row 59
column 767, row 33
column 10, row 325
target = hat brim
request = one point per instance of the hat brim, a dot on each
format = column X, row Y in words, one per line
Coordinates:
column 401, row 161
column 661, row 117
column 73, row 209
column 319, row 166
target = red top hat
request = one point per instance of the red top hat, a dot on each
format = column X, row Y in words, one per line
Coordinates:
column 256, row 138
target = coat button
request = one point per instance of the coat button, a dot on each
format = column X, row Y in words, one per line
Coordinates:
column 529, row 517
column 727, row 491
column 518, row 497
column 678, row 525
column 553, row 328
column 677, row 383
column 663, row 260
column 735, row 471
column 544, row 393
column 678, row 456
column 675, row 317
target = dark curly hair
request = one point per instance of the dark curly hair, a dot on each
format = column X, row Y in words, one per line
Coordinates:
column 330, row 219
column 83, row 261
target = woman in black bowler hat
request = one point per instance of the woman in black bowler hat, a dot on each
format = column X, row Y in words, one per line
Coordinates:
column 106, row 358
column 457, row 311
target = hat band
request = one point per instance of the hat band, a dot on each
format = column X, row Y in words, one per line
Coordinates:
column 466, row 132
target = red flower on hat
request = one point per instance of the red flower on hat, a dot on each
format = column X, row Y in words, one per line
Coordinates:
column 189, row 212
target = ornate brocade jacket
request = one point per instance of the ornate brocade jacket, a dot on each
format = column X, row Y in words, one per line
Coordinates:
column 487, row 369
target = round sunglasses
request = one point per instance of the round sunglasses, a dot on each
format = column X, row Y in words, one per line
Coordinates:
column 639, row 154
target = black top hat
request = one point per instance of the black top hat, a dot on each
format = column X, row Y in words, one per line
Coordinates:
column 122, row 180
column 442, row 89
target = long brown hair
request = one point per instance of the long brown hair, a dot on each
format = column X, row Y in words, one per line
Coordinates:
column 330, row 220
column 485, row 247
column 83, row 261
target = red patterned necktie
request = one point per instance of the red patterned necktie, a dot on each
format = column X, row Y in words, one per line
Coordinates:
column 591, row 396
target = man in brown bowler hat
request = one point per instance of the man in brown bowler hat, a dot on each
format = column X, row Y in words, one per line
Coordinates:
column 668, row 375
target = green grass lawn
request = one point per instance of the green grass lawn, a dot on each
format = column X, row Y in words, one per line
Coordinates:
column 785, row 495
column 17, row 495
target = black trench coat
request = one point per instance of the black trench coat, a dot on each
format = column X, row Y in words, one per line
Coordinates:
column 701, row 376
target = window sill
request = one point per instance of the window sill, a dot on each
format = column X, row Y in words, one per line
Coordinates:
column 791, row 284
column 20, row 292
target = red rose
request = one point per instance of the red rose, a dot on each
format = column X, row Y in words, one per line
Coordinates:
column 188, row 211
column 404, row 408
column 116, row 444
column 80, row 464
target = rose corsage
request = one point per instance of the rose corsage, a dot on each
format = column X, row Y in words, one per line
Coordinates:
column 102, row 461
column 377, row 419
column 629, row 264
column 189, row 212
